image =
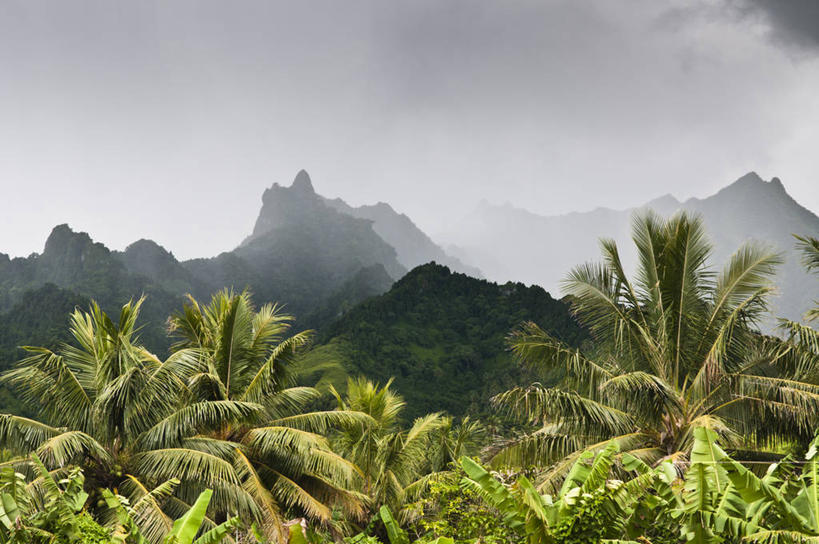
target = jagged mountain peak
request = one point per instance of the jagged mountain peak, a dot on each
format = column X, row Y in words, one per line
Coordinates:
column 667, row 201
column 300, row 205
column 303, row 183
column 281, row 205
column 63, row 240
column 753, row 182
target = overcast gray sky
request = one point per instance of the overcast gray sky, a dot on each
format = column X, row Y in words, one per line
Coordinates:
column 167, row 119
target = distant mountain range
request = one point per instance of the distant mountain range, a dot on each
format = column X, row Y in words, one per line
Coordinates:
column 317, row 256
column 344, row 270
column 509, row 243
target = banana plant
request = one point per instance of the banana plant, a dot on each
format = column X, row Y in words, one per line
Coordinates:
column 45, row 509
column 723, row 499
column 395, row 534
column 588, row 494
column 183, row 531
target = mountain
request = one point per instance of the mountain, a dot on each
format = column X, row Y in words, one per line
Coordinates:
column 73, row 262
column 512, row 243
column 148, row 259
column 40, row 318
column 319, row 258
column 302, row 253
column 412, row 245
column 441, row 335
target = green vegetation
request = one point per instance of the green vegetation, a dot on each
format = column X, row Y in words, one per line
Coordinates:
column 396, row 465
column 609, row 496
column 40, row 318
column 656, row 422
column 809, row 247
column 278, row 453
column 675, row 349
column 447, row 328
column 215, row 414
column 47, row 511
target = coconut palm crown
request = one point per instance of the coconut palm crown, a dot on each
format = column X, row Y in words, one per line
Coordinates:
column 393, row 460
column 809, row 247
column 285, row 460
column 675, row 347
column 128, row 419
column 215, row 414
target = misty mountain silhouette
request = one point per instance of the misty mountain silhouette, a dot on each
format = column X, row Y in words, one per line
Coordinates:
column 302, row 253
column 300, row 204
column 509, row 243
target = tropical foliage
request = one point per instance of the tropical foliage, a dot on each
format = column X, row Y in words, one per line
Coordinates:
column 450, row 509
column 216, row 414
column 658, row 429
column 108, row 405
column 283, row 460
column 676, row 348
column 397, row 464
column 717, row 499
column 591, row 505
column 810, row 258
column 45, row 510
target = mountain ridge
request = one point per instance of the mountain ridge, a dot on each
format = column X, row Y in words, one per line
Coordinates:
column 293, row 204
column 542, row 249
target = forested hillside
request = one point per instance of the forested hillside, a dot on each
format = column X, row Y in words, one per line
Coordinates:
column 441, row 335
column 87, row 269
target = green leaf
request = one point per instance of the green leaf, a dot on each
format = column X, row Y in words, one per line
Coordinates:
column 185, row 528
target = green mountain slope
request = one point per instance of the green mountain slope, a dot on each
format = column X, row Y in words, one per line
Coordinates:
column 40, row 318
column 73, row 262
column 441, row 335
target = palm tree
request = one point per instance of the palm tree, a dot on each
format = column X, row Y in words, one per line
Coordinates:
column 393, row 462
column 798, row 348
column 284, row 461
column 675, row 348
column 452, row 441
column 128, row 419
column 133, row 422
column 809, row 247
column 47, row 510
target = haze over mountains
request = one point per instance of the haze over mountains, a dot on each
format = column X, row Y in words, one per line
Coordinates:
column 319, row 255
column 328, row 262
column 511, row 243
column 316, row 256
column 299, row 205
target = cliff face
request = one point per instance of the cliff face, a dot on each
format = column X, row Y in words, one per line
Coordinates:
column 301, row 252
column 285, row 206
